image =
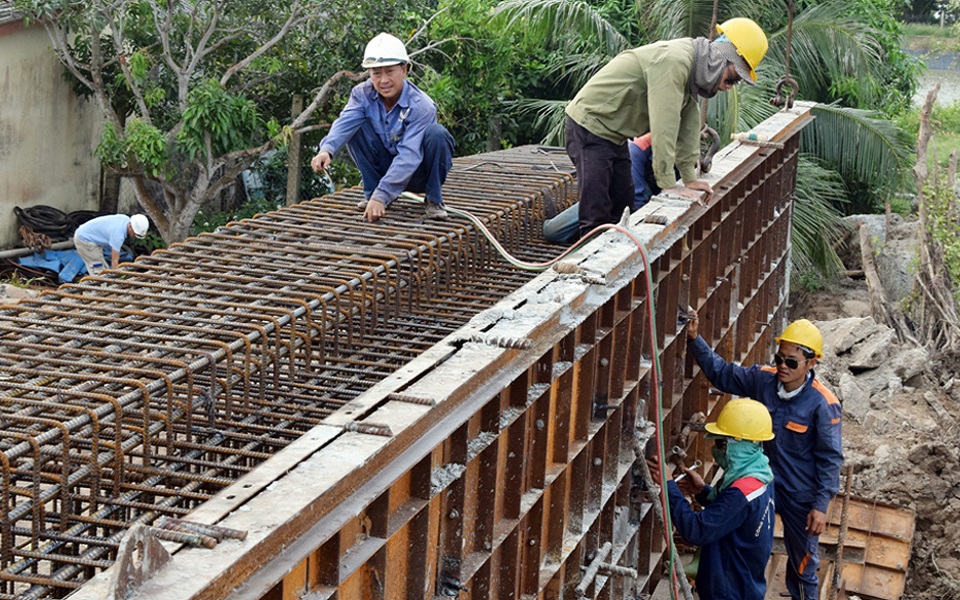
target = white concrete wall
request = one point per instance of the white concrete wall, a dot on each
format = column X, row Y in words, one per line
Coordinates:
column 47, row 134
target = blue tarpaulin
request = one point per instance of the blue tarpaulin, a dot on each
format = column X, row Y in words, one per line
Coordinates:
column 66, row 263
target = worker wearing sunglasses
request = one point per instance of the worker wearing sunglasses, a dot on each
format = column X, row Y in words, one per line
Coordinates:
column 806, row 454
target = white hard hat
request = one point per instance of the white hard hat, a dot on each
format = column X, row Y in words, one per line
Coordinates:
column 140, row 225
column 383, row 51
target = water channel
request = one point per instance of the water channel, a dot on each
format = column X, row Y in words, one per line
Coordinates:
column 943, row 67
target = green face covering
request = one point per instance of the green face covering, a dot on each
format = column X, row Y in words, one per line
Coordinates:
column 742, row 458
column 720, row 456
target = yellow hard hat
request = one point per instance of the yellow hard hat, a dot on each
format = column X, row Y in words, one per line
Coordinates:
column 743, row 419
column 748, row 38
column 803, row 333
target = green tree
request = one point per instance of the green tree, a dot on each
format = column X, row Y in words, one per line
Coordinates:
column 192, row 93
column 833, row 49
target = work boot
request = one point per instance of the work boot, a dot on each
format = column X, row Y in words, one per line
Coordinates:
column 435, row 211
column 362, row 205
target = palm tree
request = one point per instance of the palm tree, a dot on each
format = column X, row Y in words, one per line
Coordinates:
column 843, row 150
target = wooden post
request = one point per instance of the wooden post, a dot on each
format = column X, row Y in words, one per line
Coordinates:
column 293, row 155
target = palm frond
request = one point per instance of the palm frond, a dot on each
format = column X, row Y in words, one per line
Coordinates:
column 550, row 117
column 579, row 68
column 863, row 148
column 828, row 45
column 552, row 22
column 667, row 19
column 741, row 108
column 817, row 224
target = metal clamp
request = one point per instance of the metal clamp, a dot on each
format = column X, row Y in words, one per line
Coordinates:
column 706, row 159
column 786, row 101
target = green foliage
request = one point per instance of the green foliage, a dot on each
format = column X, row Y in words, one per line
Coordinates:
column 474, row 74
column 902, row 204
column 810, row 281
column 17, row 280
column 147, row 244
column 945, row 123
column 943, row 224
column 817, row 226
column 209, row 220
column 148, row 144
column 141, row 141
column 230, row 121
column 870, row 153
column 897, row 72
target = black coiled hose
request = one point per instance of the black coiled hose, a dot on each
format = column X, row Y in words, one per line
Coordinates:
column 53, row 222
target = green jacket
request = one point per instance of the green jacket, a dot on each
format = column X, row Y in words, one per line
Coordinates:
column 616, row 106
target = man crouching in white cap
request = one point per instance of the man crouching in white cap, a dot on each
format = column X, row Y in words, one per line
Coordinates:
column 390, row 128
column 108, row 231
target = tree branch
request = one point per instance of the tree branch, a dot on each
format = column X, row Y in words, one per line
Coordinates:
column 295, row 17
column 322, row 95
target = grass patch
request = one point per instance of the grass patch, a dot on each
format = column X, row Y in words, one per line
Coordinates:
column 946, row 129
column 931, row 38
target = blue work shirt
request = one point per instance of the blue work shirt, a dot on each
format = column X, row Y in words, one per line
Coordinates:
column 109, row 231
column 400, row 131
column 735, row 535
column 807, row 452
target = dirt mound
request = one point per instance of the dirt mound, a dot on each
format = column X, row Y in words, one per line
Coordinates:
column 901, row 420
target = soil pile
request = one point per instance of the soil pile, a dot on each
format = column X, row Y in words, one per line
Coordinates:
column 901, row 415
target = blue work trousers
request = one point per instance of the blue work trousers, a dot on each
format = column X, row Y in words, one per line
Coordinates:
column 802, row 557
column 373, row 160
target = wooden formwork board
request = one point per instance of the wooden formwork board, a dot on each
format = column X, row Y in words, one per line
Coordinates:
column 514, row 465
column 876, row 550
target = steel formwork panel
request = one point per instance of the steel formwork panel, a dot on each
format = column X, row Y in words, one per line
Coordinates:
column 486, row 458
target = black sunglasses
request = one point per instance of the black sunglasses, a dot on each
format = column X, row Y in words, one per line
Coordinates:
column 720, row 443
column 734, row 80
column 791, row 362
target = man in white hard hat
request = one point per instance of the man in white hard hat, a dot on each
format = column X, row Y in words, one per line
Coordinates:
column 390, row 128
column 108, row 231
column 653, row 88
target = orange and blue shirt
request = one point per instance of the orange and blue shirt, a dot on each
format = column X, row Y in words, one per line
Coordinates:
column 807, row 452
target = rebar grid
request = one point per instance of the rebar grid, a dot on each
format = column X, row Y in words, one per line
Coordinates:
column 144, row 391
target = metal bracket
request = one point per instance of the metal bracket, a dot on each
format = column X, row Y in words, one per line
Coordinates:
column 139, row 556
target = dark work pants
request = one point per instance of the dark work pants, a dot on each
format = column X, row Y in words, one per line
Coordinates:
column 802, row 558
column 373, row 159
column 565, row 227
column 603, row 175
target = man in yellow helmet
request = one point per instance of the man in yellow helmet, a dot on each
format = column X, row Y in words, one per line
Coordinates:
column 807, row 453
column 735, row 528
column 653, row 88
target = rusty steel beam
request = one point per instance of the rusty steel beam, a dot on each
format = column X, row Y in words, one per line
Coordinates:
column 509, row 466
column 356, row 399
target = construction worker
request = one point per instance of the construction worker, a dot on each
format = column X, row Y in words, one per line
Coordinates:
column 109, row 231
column 735, row 528
column 390, row 128
column 807, row 453
column 653, row 88
column 564, row 228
